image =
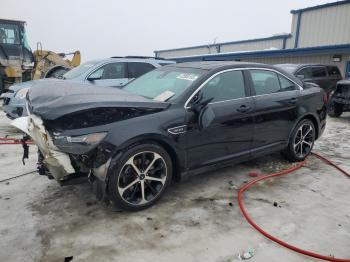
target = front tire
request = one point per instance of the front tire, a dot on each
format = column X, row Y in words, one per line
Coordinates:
column 301, row 141
column 143, row 174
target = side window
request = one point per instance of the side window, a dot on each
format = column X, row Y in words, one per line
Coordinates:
column 110, row 71
column 319, row 71
column 286, row 84
column 137, row 69
column 333, row 71
column 305, row 72
column 225, row 86
column 265, row 82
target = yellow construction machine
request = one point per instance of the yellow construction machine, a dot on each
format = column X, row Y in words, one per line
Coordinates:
column 18, row 63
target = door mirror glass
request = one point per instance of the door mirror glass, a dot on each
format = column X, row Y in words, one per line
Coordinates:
column 301, row 77
column 206, row 117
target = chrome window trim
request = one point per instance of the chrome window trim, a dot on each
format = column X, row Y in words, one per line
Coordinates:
column 240, row 69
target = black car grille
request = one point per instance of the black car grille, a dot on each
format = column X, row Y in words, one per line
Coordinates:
column 6, row 100
column 345, row 92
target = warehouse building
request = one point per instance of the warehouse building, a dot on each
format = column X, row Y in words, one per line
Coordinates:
column 319, row 34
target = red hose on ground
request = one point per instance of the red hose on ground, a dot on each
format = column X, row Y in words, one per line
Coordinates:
column 284, row 172
column 13, row 141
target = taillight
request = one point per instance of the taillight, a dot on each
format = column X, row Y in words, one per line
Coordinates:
column 325, row 98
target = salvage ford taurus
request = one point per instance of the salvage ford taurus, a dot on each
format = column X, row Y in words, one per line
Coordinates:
column 174, row 121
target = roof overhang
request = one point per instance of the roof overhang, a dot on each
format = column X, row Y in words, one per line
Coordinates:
column 11, row 21
column 319, row 50
column 281, row 36
column 311, row 8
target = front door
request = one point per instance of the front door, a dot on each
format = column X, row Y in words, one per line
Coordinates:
column 229, row 129
column 111, row 74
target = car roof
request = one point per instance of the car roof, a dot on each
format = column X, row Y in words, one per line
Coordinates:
column 215, row 65
column 124, row 59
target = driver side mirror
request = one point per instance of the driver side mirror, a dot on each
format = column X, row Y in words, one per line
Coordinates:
column 205, row 113
column 198, row 103
column 97, row 75
column 92, row 78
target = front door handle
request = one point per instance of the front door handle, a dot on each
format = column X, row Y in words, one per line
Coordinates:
column 243, row 108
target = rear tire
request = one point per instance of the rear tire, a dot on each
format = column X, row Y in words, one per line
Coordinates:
column 334, row 109
column 142, row 176
column 301, row 141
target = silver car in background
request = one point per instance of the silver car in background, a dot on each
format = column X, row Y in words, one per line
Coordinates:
column 114, row 72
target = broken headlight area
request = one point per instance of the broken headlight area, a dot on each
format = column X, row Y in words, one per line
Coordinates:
column 96, row 162
column 81, row 144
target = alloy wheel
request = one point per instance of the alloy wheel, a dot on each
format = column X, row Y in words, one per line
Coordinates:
column 304, row 140
column 142, row 178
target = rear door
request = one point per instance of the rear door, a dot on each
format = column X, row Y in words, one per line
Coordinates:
column 230, row 131
column 276, row 102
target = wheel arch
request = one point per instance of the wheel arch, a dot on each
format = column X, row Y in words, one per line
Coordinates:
column 310, row 117
column 313, row 119
column 159, row 140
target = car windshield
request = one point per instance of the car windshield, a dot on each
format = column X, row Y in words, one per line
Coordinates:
column 164, row 84
column 79, row 70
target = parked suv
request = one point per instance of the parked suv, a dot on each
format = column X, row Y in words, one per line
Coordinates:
column 174, row 121
column 115, row 72
column 326, row 76
column 339, row 99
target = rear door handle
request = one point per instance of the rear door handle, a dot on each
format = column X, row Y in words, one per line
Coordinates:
column 243, row 108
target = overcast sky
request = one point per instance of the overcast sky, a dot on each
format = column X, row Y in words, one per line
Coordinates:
column 103, row 28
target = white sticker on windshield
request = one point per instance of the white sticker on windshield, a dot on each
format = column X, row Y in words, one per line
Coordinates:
column 164, row 96
column 188, row 77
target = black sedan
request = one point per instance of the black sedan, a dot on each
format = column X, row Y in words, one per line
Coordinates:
column 174, row 121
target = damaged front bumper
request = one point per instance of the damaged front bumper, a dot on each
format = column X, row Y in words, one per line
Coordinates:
column 57, row 162
column 68, row 157
column 67, row 165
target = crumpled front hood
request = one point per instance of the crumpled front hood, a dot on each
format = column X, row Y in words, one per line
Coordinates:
column 53, row 99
